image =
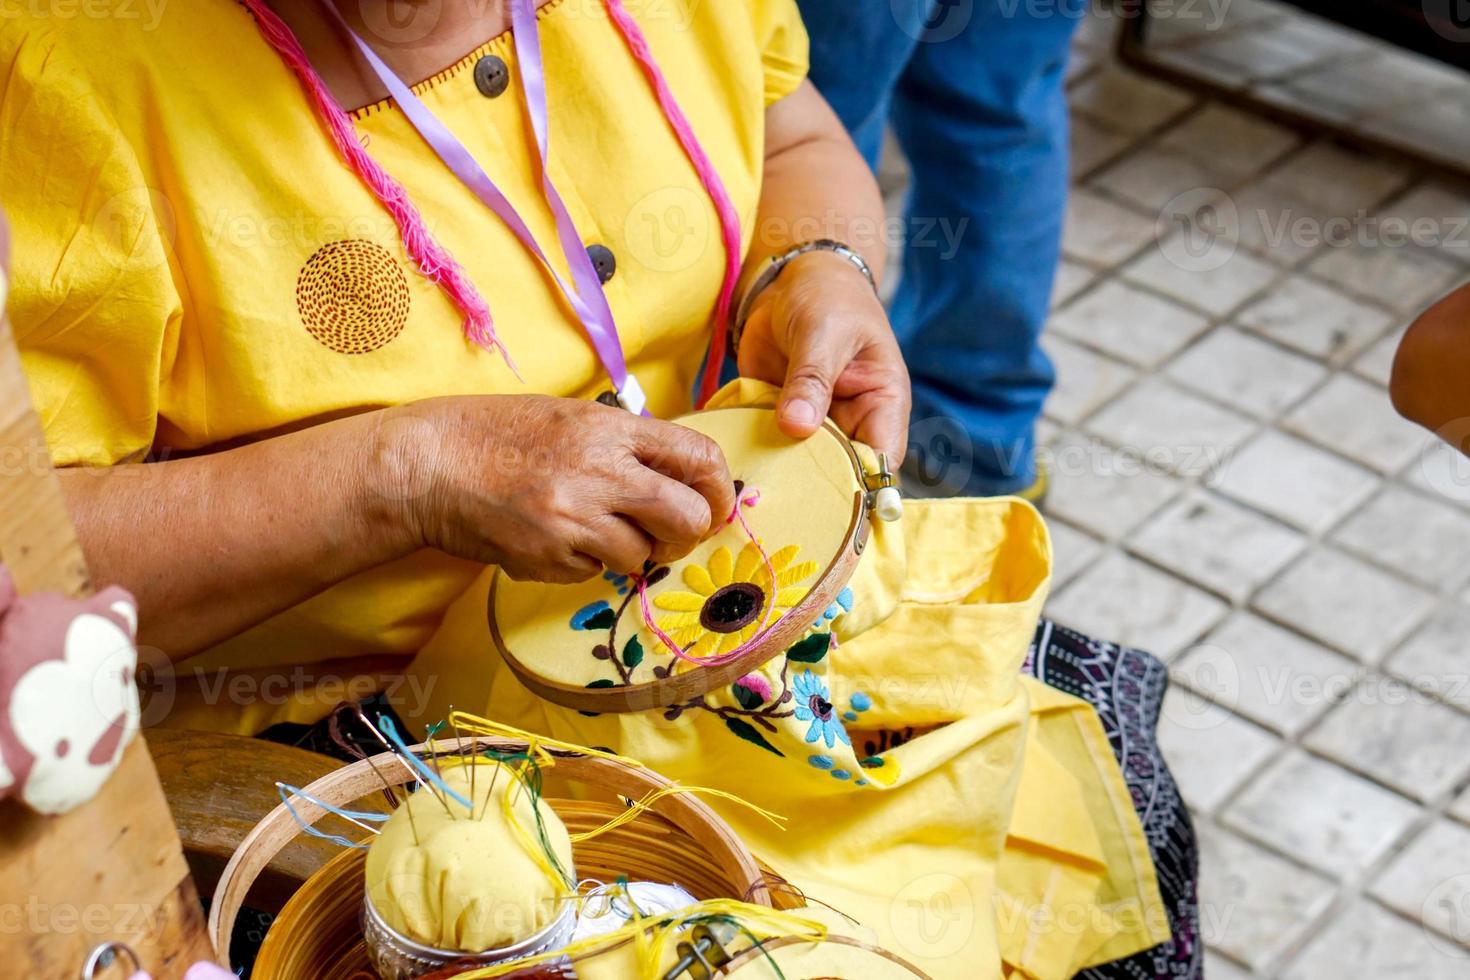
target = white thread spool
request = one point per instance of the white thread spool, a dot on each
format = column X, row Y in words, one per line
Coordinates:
column 607, row 908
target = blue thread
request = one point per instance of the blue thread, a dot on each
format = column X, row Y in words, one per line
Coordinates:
column 389, row 729
column 861, row 702
column 820, row 761
column 286, row 791
column 862, row 782
column 841, row 774
column 844, row 599
column 849, row 716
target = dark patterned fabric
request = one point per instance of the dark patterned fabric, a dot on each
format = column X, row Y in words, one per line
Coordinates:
column 1127, row 688
column 340, row 734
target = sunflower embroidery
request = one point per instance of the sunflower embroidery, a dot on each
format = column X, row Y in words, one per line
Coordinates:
column 730, row 596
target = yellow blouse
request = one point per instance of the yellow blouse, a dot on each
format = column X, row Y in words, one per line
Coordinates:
column 196, row 267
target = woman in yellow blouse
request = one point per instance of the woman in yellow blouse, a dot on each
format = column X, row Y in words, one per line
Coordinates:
column 244, row 317
column 198, row 270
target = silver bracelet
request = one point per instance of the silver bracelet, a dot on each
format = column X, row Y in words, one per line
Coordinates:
column 773, row 268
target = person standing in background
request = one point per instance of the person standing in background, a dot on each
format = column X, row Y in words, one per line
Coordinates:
column 974, row 92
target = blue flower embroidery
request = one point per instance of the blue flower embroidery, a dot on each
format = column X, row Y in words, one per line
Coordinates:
column 619, row 581
column 814, row 705
column 843, row 604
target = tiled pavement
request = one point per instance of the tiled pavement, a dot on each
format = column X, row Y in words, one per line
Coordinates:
column 1233, row 491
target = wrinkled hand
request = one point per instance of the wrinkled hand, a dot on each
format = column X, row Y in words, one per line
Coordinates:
column 820, row 332
column 553, row 489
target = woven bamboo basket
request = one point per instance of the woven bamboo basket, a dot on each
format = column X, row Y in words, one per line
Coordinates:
column 679, row 841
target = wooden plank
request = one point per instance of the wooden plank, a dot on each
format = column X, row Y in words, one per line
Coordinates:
column 37, row 541
column 113, row 868
column 220, row 786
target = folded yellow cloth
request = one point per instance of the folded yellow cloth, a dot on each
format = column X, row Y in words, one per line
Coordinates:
column 973, row 818
column 452, row 881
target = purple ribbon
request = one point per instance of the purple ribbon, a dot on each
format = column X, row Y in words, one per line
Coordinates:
column 585, row 294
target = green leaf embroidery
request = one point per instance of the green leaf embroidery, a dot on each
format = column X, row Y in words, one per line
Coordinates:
column 601, row 621
column 749, row 700
column 811, row 650
column 600, row 682
column 632, row 652
column 747, row 731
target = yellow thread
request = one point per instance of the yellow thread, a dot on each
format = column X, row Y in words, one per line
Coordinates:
column 534, row 743
column 635, row 810
column 536, row 748
column 651, row 939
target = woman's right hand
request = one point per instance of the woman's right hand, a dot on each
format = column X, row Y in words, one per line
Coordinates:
column 551, row 489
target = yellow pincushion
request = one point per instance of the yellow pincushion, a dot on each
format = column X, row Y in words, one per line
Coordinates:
column 447, row 880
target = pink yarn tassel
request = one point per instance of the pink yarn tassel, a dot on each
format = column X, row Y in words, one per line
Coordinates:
column 708, row 176
column 750, row 500
column 433, row 261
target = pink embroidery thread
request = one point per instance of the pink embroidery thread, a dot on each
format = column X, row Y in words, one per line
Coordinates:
column 713, row 186
column 437, row 265
column 749, row 500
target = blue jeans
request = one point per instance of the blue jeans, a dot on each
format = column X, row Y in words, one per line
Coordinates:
column 974, row 92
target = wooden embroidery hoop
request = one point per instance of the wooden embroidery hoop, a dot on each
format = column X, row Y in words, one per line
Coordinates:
column 680, row 839
column 696, row 681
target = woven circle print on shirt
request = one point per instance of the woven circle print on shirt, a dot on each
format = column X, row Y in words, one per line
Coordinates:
column 352, row 296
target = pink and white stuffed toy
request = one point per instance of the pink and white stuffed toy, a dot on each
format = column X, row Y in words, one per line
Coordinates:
column 68, row 700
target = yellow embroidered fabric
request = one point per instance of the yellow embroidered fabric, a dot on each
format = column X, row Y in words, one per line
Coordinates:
column 195, row 266
column 799, row 501
column 974, row 819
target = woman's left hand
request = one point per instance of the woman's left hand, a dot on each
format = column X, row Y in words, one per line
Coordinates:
column 821, row 333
